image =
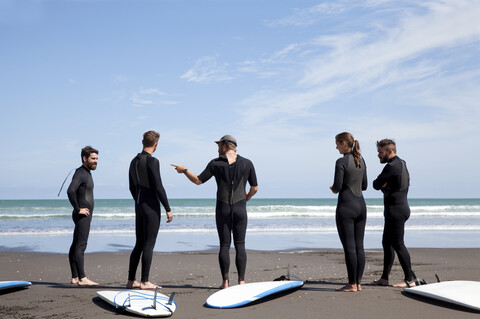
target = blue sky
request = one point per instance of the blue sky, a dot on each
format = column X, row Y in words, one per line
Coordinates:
column 283, row 77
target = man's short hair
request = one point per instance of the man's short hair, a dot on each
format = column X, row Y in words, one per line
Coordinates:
column 150, row 138
column 87, row 150
column 387, row 144
column 230, row 146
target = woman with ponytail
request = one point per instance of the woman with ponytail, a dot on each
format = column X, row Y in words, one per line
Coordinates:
column 351, row 214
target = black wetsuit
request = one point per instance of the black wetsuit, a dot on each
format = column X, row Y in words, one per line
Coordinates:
column 396, row 213
column 231, row 208
column 147, row 190
column 80, row 194
column 351, row 213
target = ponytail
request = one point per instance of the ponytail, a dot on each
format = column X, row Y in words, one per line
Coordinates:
column 356, row 152
column 352, row 143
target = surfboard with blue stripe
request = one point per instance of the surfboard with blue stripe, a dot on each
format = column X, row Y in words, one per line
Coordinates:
column 14, row 284
column 241, row 295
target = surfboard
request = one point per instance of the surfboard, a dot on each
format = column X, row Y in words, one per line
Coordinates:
column 140, row 302
column 459, row 292
column 240, row 295
column 14, row 284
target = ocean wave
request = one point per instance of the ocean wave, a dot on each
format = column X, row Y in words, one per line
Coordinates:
column 281, row 208
column 251, row 214
column 270, row 230
column 62, row 216
column 32, row 216
column 446, row 208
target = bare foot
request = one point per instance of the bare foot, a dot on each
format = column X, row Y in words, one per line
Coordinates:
column 241, row 282
column 348, row 288
column 132, row 284
column 359, row 287
column 148, row 286
column 403, row 284
column 381, row 282
column 86, row 282
column 224, row 284
column 74, row 281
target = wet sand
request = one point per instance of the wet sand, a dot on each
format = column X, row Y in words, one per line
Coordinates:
column 194, row 276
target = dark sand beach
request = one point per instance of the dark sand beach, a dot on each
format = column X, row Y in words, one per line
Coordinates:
column 194, row 276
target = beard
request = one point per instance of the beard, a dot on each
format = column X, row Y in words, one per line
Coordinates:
column 384, row 159
column 91, row 166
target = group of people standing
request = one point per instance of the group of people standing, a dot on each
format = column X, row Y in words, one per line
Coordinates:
column 232, row 172
column 351, row 214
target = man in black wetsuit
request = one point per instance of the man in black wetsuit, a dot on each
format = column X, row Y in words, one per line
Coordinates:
column 394, row 182
column 231, row 173
column 80, row 195
column 147, row 190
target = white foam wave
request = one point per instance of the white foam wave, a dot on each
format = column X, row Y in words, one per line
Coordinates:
column 271, row 230
column 282, row 208
column 23, row 216
column 253, row 214
column 446, row 208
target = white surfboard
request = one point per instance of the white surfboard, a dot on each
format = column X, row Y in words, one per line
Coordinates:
column 14, row 284
column 240, row 295
column 463, row 293
column 140, row 302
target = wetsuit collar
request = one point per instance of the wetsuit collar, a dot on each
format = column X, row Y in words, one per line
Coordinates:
column 224, row 157
column 390, row 160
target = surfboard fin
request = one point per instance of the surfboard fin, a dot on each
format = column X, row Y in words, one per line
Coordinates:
column 155, row 299
column 129, row 301
column 438, row 278
column 170, row 300
column 288, row 277
column 416, row 281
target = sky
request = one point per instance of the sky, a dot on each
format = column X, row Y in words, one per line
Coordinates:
column 282, row 76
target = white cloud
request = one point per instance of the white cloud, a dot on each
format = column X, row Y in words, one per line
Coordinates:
column 150, row 96
column 151, row 91
column 443, row 27
column 206, row 70
column 416, row 48
column 309, row 16
column 283, row 52
column 305, row 17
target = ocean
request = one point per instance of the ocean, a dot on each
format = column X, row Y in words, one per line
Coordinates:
column 273, row 224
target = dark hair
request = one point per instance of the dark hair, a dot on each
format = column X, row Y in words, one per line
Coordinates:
column 352, row 143
column 87, row 150
column 387, row 144
column 150, row 138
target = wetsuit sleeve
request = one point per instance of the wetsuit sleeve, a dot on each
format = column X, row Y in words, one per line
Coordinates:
column 207, row 173
column 386, row 176
column 252, row 178
column 72, row 190
column 339, row 174
column 154, row 168
column 131, row 181
column 364, row 180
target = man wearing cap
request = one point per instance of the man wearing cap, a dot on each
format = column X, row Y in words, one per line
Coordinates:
column 231, row 173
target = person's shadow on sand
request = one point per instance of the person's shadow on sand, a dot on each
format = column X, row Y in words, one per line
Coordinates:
column 313, row 285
